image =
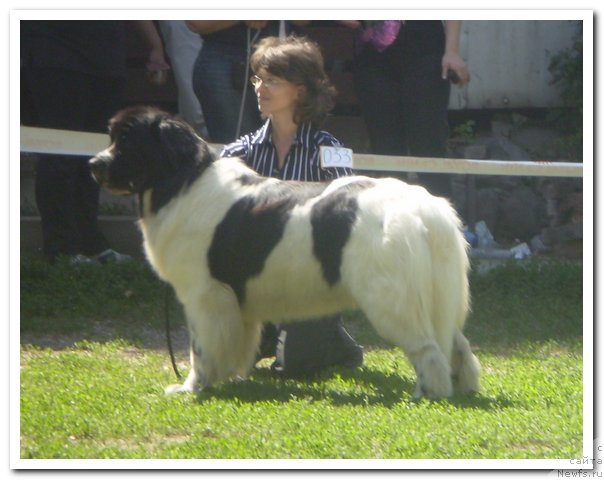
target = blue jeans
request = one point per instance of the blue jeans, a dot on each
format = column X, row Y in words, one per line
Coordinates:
column 219, row 80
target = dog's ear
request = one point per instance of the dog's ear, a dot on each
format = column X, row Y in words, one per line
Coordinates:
column 156, row 127
column 179, row 142
column 176, row 140
column 208, row 153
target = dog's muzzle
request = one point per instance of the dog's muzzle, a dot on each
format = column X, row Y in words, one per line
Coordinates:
column 99, row 167
column 102, row 172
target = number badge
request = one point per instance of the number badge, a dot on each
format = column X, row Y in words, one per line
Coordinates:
column 336, row 157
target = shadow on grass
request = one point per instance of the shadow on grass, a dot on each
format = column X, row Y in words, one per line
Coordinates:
column 513, row 307
column 378, row 388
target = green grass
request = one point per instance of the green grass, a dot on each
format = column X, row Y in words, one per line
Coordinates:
column 93, row 369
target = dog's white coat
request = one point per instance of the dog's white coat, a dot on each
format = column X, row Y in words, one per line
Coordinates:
column 405, row 265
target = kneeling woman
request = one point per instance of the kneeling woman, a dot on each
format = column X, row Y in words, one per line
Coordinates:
column 294, row 96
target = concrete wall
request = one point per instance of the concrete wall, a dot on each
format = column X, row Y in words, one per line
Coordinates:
column 509, row 62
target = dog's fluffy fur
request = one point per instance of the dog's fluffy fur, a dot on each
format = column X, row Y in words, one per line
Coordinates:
column 240, row 249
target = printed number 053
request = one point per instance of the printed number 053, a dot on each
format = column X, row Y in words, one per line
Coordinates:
column 336, row 157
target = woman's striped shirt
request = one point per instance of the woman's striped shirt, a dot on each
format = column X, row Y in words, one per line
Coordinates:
column 302, row 162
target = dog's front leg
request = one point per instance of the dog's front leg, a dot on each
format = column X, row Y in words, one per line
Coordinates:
column 223, row 346
column 196, row 380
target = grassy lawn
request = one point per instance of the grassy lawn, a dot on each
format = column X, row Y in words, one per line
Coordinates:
column 94, row 365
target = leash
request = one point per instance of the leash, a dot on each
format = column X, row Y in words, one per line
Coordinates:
column 168, row 336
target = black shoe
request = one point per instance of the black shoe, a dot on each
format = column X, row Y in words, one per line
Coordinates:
column 349, row 353
column 268, row 342
column 353, row 358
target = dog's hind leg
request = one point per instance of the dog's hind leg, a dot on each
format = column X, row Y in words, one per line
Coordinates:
column 433, row 372
column 465, row 366
column 430, row 363
column 402, row 316
column 416, row 337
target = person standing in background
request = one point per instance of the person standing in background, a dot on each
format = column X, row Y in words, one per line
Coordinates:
column 220, row 76
column 182, row 47
column 75, row 72
column 403, row 73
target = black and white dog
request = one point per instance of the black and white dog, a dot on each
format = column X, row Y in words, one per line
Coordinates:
column 241, row 249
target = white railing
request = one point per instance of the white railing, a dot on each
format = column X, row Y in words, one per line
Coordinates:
column 66, row 142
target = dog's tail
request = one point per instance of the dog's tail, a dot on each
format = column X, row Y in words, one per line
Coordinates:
column 451, row 292
column 450, row 267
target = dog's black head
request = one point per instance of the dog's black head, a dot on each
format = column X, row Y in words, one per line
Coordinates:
column 150, row 149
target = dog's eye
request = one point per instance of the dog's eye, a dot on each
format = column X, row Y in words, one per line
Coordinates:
column 119, row 138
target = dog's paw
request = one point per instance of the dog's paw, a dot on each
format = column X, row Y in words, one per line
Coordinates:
column 177, row 388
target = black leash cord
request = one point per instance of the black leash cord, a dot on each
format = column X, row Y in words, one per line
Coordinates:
column 168, row 337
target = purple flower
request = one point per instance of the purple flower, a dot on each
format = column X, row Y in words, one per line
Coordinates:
column 381, row 33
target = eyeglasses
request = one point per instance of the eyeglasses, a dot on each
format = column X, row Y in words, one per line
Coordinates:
column 269, row 83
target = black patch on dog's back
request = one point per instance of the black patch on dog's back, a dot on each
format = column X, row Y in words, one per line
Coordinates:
column 332, row 219
column 251, row 229
column 251, row 179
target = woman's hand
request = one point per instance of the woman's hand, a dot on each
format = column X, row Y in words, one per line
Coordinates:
column 453, row 62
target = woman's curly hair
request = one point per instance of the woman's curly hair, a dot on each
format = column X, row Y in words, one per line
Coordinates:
column 299, row 61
